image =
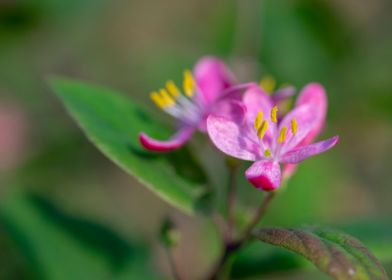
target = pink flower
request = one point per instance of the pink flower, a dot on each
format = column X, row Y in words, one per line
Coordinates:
column 256, row 134
column 202, row 94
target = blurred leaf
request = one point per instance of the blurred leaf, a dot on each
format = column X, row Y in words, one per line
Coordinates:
column 333, row 252
column 375, row 233
column 113, row 124
column 60, row 246
column 261, row 259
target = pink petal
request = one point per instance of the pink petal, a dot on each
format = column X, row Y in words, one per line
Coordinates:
column 314, row 96
column 212, row 77
column 264, row 175
column 289, row 170
column 282, row 94
column 175, row 142
column 256, row 100
column 299, row 154
column 230, row 135
column 306, row 121
column 223, row 106
column 309, row 112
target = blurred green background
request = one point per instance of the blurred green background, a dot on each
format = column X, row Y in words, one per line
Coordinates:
column 66, row 212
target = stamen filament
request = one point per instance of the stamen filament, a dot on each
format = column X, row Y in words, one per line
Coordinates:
column 274, row 112
column 262, row 129
column 188, row 83
column 282, row 135
column 294, row 126
column 258, row 120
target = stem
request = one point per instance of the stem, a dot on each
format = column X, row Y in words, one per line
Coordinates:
column 172, row 264
column 231, row 246
column 260, row 212
column 231, row 197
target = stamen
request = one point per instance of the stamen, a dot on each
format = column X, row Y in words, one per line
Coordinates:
column 188, row 83
column 157, row 99
column 258, row 120
column 282, row 135
column 166, row 97
column 262, row 129
column 172, row 89
column 267, row 153
column 268, row 83
column 294, row 126
column 274, row 112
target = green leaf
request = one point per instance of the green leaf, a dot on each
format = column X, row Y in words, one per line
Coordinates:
column 333, row 252
column 113, row 123
column 58, row 245
column 258, row 259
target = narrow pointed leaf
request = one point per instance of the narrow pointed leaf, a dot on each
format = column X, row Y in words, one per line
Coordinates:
column 113, row 123
column 333, row 252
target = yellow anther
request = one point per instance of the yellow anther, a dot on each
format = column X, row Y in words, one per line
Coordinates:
column 166, row 97
column 157, row 99
column 267, row 153
column 274, row 112
column 172, row 89
column 294, row 126
column 188, row 83
column 268, row 83
column 262, row 129
column 282, row 135
column 258, row 120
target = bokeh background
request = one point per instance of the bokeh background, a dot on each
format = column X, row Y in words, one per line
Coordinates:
column 67, row 212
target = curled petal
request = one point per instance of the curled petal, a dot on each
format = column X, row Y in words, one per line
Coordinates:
column 175, row 142
column 264, row 175
column 212, row 77
column 301, row 153
column 230, row 135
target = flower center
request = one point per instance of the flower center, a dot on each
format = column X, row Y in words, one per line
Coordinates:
column 261, row 127
column 179, row 104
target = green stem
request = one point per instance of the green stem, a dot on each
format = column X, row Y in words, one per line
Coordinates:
column 231, row 246
column 172, row 264
column 260, row 212
column 231, row 198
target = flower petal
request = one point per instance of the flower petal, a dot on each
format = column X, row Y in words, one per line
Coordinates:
column 231, row 136
column 309, row 113
column 304, row 116
column 314, row 96
column 289, row 170
column 264, row 175
column 256, row 100
column 212, row 77
column 175, row 142
column 299, row 154
column 282, row 94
